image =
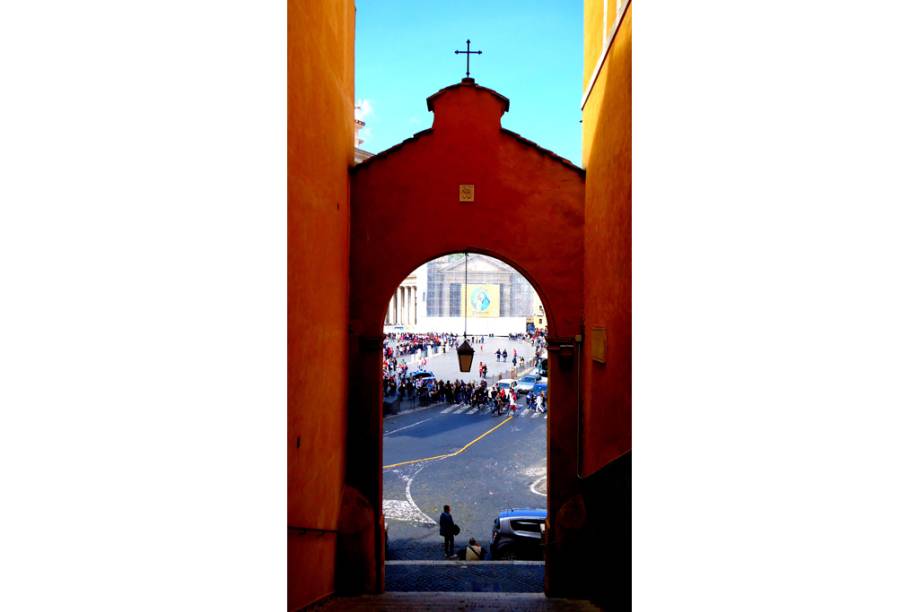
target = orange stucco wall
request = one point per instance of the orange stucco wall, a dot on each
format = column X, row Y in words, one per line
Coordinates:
column 607, row 155
column 320, row 151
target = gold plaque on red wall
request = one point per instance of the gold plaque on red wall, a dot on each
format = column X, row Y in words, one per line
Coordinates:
column 467, row 193
column 598, row 344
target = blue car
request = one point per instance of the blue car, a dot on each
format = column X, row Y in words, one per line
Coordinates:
column 519, row 533
column 540, row 387
column 526, row 383
column 423, row 378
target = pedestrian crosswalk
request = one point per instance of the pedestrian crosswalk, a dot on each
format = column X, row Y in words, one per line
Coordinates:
column 469, row 410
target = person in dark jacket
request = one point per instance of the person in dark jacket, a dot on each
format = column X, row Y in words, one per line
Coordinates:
column 447, row 531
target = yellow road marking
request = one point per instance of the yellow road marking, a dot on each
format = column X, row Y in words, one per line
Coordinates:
column 454, row 453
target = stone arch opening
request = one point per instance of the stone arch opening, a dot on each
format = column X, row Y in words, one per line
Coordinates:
column 444, row 442
column 413, row 518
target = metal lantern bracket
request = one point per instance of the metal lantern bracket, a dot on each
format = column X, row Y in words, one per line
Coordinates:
column 465, row 352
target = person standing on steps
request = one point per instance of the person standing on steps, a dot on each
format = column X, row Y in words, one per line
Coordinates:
column 447, row 530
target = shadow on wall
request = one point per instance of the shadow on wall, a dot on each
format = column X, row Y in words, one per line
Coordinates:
column 608, row 538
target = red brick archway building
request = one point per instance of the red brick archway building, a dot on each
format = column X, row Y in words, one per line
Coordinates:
column 527, row 209
column 355, row 232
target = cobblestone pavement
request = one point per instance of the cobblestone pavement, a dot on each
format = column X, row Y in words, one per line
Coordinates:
column 460, row 576
column 504, row 602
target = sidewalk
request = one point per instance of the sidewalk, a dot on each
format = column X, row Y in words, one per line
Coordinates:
column 418, row 408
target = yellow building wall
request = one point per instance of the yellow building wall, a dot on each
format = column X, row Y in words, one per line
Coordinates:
column 320, row 145
column 607, row 155
column 593, row 35
column 600, row 17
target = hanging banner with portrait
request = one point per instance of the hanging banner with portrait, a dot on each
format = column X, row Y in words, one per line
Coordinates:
column 482, row 300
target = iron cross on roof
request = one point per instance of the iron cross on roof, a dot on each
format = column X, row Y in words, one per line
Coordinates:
column 468, row 53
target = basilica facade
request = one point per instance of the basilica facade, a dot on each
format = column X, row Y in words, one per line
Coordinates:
column 433, row 298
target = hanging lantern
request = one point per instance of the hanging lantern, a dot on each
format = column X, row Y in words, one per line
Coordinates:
column 464, row 354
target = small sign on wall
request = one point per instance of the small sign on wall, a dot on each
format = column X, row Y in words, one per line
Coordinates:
column 467, row 193
column 598, row 344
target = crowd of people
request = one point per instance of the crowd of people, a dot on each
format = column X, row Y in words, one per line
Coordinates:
column 399, row 383
column 469, row 394
column 407, row 343
column 396, row 345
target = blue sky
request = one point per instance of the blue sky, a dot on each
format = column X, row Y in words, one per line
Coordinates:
column 533, row 54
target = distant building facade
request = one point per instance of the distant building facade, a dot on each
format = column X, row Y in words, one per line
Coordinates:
column 405, row 305
column 359, row 153
column 538, row 317
column 434, row 298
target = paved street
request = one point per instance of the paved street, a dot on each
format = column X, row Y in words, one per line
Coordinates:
column 444, row 365
column 491, row 463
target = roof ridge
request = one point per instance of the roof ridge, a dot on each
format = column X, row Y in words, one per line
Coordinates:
column 523, row 140
column 385, row 152
column 468, row 82
column 543, row 150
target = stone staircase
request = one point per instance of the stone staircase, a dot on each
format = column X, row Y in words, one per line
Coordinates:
column 459, row 585
column 505, row 602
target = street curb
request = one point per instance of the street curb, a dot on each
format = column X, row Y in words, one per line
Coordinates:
column 418, row 409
